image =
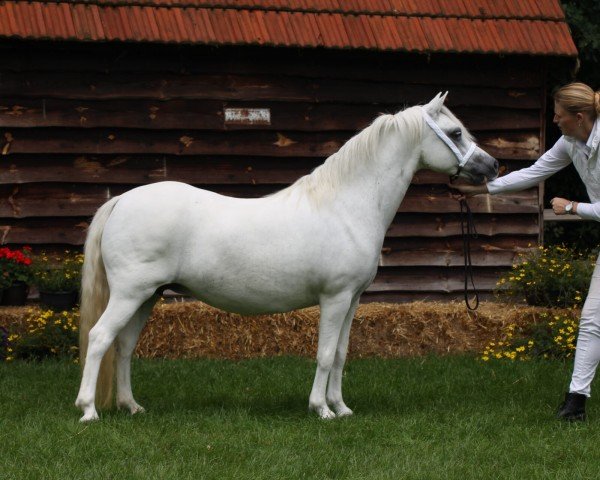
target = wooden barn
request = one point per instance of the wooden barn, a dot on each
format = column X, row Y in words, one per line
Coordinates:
column 243, row 97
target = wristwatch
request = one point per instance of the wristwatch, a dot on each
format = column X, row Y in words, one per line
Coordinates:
column 569, row 208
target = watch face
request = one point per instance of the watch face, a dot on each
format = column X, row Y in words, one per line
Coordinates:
column 569, row 207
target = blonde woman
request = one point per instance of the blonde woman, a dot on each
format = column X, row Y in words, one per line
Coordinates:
column 576, row 112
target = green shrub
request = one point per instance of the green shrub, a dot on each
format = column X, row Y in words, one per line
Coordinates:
column 549, row 277
column 3, row 343
column 46, row 333
column 552, row 336
column 58, row 272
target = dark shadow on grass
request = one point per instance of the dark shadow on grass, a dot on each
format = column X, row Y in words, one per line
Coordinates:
column 279, row 405
column 280, row 388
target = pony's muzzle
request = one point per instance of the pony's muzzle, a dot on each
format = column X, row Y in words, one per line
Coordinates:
column 481, row 167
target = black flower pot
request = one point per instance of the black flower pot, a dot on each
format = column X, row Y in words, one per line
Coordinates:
column 16, row 294
column 59, row 300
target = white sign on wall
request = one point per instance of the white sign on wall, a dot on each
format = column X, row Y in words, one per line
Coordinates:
column 248, row 116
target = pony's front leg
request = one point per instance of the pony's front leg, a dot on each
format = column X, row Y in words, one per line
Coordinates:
column 333, row 313
column 334, row 387
column 125, row 343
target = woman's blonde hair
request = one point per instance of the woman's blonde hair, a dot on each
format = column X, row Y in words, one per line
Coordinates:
column 578, row 97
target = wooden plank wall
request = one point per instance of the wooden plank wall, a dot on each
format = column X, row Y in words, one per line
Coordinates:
column 80, row 123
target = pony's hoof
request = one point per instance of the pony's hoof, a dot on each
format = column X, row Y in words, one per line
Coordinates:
column 89, row 417
column 137, row 409
column 340, row 408
column 324, row 413
column 132, row 407
column 343, row 411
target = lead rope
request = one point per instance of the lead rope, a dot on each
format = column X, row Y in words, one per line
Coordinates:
column 467, row 226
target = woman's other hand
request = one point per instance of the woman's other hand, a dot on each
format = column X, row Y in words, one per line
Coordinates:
column 558, row 205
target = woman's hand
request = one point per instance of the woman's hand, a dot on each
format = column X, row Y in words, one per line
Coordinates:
column 558, row 205
column 469, row 190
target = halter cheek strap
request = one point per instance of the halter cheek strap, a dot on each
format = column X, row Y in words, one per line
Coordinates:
column 468, row 230
column 462, row 159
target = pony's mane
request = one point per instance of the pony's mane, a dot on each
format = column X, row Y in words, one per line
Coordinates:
column 360, row 149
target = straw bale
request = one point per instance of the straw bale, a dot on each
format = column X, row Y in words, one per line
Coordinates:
column 12, row 318
column 194, row 329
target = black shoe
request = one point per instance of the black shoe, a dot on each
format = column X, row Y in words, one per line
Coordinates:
column 573, row 408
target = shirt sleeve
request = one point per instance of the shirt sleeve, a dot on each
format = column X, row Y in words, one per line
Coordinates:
column 589, row 211
column 549, row 163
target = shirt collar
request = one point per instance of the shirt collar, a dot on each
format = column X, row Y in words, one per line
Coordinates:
column 592, row 142
column 594, row 138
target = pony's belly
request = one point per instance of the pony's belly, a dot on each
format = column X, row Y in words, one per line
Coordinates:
column 255, row 304
column 268, row 286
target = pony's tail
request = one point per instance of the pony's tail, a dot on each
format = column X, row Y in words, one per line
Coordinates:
column 94, row 299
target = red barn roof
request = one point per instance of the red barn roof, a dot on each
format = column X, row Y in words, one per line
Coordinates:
column 535, row 27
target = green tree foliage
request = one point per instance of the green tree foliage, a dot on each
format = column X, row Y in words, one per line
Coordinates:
column 583, row 17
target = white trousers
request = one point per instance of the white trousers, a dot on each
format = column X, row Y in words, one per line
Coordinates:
column 587, row 354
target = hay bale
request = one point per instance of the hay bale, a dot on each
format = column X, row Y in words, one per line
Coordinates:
column 12, row 318
column 194, row 329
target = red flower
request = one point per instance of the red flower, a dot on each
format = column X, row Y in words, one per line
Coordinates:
column 15, row 266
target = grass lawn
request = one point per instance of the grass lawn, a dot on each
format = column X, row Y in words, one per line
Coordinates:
column 420, row 418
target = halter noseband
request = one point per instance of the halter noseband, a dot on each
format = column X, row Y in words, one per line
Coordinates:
column 462, row 159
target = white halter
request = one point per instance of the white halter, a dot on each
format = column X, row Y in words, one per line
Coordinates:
column 462, row 159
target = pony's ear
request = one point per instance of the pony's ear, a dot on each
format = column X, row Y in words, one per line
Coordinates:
column 434, row 107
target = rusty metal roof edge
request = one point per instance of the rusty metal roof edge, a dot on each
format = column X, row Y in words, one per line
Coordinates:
column 200, row 5
column 296, row 46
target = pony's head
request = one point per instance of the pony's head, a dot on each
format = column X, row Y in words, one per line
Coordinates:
column 448, row 147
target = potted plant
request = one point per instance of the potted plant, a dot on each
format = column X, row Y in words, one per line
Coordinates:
column 16, row 273
column 58, row 278
column 3, row 285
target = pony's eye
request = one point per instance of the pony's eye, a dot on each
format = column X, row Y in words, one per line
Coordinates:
column 456, row 134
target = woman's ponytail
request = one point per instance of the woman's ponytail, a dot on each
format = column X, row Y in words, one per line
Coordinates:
column 578, row 97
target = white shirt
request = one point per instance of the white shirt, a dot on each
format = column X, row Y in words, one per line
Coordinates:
column 566, row 150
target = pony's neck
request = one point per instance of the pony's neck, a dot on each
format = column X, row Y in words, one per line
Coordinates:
column 379, row 183
column 368, row 177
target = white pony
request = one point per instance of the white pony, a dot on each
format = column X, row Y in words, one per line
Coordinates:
column 315, row 242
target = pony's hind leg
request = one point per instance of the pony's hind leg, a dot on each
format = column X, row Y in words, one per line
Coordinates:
column 333, row 313
column 125, row 345
column 117, row 314
column 334, row 387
